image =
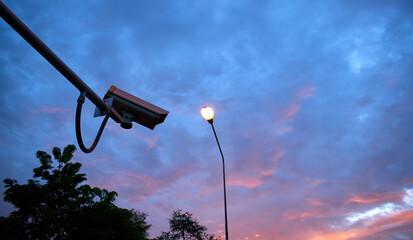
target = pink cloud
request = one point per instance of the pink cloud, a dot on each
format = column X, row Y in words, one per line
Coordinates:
column 397, row 220
column 380, row 229
column 124, row 180
column 315, row 202
column 284, row 129
column 314, row 181
column 152, row 141
column 271, row 164
column 288, row 114
column 50, row 110
column 143, row 178
column 291, row 111
column 249, row 182
column 374, row 198
column 305, row 92
column 255, row 167
column 294, row 214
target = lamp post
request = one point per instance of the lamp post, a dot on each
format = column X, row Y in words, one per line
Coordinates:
column 208, row 114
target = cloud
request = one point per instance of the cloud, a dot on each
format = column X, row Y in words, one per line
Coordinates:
column 373, row 198
column 313, row 110
column 49, row 110
column 244, row 181
column 292, row 215
column 397, row 226
column 386, row 209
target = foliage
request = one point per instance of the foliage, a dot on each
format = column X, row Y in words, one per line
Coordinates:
column 184, row 226
column 139, row 219
column 54, row 206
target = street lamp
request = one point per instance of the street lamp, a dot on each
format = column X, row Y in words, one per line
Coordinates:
column 208, row 114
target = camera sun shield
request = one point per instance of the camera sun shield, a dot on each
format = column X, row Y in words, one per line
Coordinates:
column 129, row 108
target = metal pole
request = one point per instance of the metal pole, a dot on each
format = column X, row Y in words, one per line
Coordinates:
column 49, row 55
column 225, row 190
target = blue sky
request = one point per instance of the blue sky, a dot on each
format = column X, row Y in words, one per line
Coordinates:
column 313, row 107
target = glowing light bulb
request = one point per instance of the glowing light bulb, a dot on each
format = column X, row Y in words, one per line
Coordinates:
column 207, row 113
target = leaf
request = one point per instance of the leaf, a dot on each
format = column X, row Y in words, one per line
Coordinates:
column 57, row 153
column 68, row 153
column 44, row 158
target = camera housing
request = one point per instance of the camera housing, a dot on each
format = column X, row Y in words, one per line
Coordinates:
column 126, row 108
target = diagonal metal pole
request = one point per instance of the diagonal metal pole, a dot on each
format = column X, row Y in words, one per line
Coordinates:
column 223, row 175
column 50, row 56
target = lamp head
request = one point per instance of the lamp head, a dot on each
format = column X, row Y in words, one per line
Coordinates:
column 208, row 113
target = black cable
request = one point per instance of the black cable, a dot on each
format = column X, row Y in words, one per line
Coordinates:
column 80, row 102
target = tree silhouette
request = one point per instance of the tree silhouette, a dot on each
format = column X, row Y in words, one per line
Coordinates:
column 139, row 218
column 54, row 206
column 184, row 226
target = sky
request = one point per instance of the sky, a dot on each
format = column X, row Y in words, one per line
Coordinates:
column 313, row 109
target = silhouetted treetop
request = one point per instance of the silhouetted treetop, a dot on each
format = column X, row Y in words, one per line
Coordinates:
column 184, row 226
column 54, row 205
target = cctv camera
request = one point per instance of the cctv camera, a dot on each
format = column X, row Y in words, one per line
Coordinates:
column 127, row 108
